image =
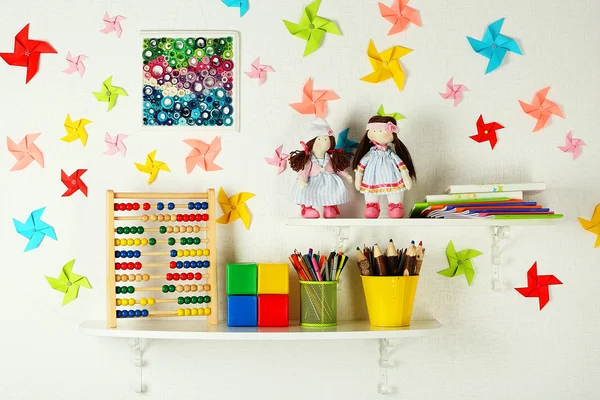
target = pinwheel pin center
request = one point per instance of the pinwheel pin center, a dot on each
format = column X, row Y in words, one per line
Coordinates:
column 486, row 131
column 27, row 53
column 311, row 26
column 494, row 46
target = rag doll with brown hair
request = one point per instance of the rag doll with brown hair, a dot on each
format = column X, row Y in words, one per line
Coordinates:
column 320, row 170
column 383, row 167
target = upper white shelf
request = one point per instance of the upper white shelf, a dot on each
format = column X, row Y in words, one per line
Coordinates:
column 423, row 222
column 200, row 330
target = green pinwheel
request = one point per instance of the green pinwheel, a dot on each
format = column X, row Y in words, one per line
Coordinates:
column 109, row 93
column 68, row 282
column 312, row 28
column 381, row 112
column 460, row 263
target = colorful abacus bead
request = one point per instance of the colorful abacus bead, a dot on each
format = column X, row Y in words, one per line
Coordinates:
column 160, row 206
column 146, row 206
column 132, row 313
column 171, row 206
column 125, row 289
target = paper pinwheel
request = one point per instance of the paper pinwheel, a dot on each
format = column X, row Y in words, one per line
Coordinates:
column 460, row 263
column 27, row 53
column 494, row 45
column 109, row 93
column 152, row 167
column 541, row 108
column 203, row 154
column 234, row 207
column 34, row 229
column 593, row 225
column 115, row 144
column 280, row 159
column 400, row 15
column 259, row 71
column 241, row 4
column 572, row 145
column 73, row 182
column 75, row 64
column 537, row 285
column 347, row 145
column 68, row 282
column 75, row 130
column 25, row 152
column 381, row 112
column 386, row 65
column 312, row 28
column 486, row 132
column 454, row 92
column 314, row 101
column 113, row 24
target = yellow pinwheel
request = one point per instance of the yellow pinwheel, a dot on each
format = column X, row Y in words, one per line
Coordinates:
column 75, row 130
column 592, row 225
column 152, row 166
column 234, row 207
column 386, row 64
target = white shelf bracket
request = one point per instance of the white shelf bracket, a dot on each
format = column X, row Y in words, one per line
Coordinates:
column 137, row 348
column 385, row 351
column 343, row 234
column 499, row 233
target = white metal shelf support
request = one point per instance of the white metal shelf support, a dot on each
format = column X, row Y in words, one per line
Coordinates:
column 137, row 348
column 499, row 233
column 343, row 234
column 385, row 351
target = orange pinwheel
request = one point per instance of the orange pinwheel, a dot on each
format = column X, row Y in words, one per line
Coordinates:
column 400, row 15
column 541, row 108
column 203, row 154
column 314, row 101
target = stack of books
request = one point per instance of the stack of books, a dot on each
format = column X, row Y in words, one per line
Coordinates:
column 493, row 201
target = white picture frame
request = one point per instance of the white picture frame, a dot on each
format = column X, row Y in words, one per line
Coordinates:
column 142, row 84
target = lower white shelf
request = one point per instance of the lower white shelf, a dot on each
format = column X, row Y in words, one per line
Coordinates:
column 200, row 330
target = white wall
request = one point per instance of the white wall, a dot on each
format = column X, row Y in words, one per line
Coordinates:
column 493, row 346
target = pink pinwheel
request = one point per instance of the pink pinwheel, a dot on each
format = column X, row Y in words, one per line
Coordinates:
column 203, row 155
column 115, row 144
column 572, row 145
column 25, row 152
column 259, row 71
column 279, row 160
column 113, row 24
column 454, row 92
column 314, row 101
column 75, row 64
column 400, row 15
column 541, row 108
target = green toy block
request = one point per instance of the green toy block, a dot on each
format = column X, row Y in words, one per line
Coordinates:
column 242, row 278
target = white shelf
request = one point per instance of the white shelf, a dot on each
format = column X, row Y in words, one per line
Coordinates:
column 416, row 222
column 200, row 330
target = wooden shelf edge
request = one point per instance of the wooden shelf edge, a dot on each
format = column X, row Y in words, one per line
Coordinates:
column 418, row 222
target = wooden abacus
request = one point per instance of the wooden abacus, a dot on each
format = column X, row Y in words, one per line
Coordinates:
column 179, row 276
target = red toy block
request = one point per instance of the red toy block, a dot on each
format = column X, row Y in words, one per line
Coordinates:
column 273, row 310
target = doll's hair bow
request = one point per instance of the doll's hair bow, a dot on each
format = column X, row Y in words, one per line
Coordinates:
column 305, row 147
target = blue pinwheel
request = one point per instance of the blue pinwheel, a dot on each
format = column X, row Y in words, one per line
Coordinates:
column 494, row 45
column 347, row 145
column 34, row 229
column 242, row 4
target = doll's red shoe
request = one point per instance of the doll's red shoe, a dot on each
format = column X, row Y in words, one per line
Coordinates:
column 395, row 210
column 330, row 211
column 309, row 212
column 372, row 210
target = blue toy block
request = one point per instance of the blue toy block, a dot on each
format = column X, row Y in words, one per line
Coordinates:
column 242, row 311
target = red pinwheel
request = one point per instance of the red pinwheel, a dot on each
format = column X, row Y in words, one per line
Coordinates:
column 486, row 132
column 537, row 285
column 73, row 182
column 27, row 53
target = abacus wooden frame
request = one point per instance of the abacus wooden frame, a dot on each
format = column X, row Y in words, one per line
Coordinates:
column 211, row 235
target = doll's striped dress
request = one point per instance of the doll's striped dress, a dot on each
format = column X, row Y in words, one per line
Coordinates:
column 382, row 171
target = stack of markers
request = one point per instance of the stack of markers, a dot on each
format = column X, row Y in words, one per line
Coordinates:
column 318, row 267
column 395, row 262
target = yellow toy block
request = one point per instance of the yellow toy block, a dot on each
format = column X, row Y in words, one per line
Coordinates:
column 273, row 279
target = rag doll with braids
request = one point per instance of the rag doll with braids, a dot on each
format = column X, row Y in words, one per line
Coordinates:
column 383, row 167
column 320, row 168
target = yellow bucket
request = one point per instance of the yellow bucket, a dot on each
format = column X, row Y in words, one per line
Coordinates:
column 390, row 299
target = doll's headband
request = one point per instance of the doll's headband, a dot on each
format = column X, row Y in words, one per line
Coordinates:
column 389, row 126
